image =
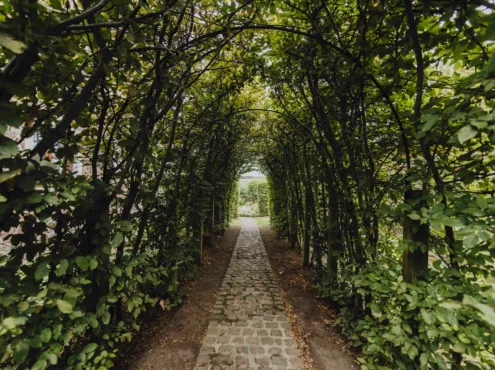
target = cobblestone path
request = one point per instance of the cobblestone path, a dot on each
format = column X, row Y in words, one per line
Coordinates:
column 249, row 328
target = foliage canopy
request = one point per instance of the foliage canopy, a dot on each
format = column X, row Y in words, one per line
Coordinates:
column 126, row 124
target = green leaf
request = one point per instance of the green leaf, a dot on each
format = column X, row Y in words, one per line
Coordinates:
column 480, row 125
column 93, row 264
column 42, row 270
column 427, row 317
column 396, row 330
column 490, row 31
column 466, row 133
column 23, row 306
column 8, row 147
column 430, row 121
column 7, row 175
column 64, row 306
column 93, row 322
column 450, row 305
column 20, row 352
column 39, row 365
column 82, row 262
column 34, row 198
column 107, row 249
column 13, row 322
column 117, row 271
column 125, row 224
column 53, row 199
column 481, row 202
column 105, row 318
column 471, row 241
column 459, row 347
column 412, row 352
column 56, row 4
column 46, row 335
column 8, row 42
column 423, row 360
column 454, row 222
column 52, row 358
column 414, row 216
column 487, row 313
column 117, row 240
column 35, row 342
column 62, row 267
column 89, row 348
column 76, row 314
column 464, row 338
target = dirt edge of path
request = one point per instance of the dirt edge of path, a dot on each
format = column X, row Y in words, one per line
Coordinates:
column 322, row 347
column 172, row 340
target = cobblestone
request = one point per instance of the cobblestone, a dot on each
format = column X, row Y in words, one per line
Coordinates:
column 249, row 328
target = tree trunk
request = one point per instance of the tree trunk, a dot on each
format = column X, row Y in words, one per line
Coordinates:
column 333, row 238
column 211, row 222
column 415, row 262
column 307, row 228
column 199, row 238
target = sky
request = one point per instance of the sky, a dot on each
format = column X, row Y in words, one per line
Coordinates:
column 254, row 173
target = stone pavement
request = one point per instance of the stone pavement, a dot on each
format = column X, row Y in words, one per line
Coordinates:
column 249, row 328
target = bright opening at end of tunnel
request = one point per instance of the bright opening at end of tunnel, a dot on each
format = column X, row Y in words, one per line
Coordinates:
column 253, row 195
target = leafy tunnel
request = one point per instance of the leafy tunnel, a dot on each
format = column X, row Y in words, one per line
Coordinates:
column 127, row 124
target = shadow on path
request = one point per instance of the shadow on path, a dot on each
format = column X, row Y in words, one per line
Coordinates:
column 249, row 327
column 171, row 340
column 323, row 346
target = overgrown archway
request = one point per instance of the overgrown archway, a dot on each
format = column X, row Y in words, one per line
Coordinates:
column 126, row 126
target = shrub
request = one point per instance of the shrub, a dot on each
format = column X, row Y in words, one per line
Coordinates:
column 429, row 325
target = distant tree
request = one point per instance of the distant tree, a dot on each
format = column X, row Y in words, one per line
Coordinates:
column 249, row 193
column 263, row 198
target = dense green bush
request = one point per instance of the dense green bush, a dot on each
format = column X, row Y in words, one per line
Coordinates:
column 234, row 202
column 416, row 326
column 278, row 210
column 263, row 199
column 69, row 309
